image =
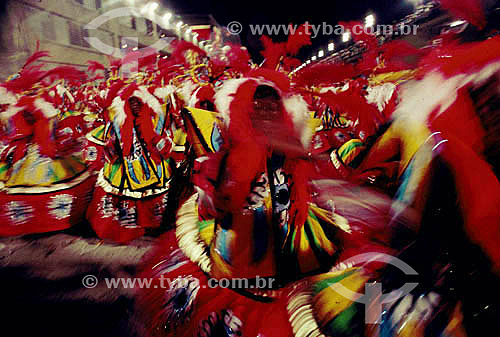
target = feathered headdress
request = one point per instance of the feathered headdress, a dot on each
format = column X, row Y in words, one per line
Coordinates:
column 41, row 128
column 29, row 74
column 70, row 74
column 284, row 52
column 461, row 59
column 247, row 142
column 234, row 58
column 186, row 53
column 238, row 58
column 123, row 117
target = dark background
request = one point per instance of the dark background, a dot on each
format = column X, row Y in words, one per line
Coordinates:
column 296, row 12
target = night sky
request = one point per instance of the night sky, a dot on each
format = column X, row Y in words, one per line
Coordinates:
column 284, row 12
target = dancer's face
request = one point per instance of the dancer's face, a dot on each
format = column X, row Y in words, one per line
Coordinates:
column 135, row 106
column 267, row 110
column 268, row 119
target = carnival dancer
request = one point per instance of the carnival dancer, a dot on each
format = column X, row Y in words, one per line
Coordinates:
column 268, row 225
column 253, row 216
column 45, row 181
column 446, row 173
column 132, row 187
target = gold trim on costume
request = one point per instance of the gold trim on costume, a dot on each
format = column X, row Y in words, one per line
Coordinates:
column 48, row 189
column 108, row 188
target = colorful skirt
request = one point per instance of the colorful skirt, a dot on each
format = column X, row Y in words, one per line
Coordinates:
column 180, row 302
column 121, row 217
column 29, row 210
column 179, row 298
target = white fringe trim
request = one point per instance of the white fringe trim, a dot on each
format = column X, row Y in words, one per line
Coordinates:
column 225, row 96
column 188, row 235
column 300, row 311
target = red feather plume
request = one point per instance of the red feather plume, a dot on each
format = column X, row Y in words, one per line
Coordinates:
column 465, row 58
column 26, row 80
column 272, row 52
column 95, row 66
column 470, row 10
column 238, row 58
column 114, row 63
column 112, row 93
column 291, row 63
column 300, row 38
column 35, row 57
column 205, row 93
column 96, row 78
column 246, row 158
column 180, row 49
column 68, row 73
column 398, row 49
column 324, row 73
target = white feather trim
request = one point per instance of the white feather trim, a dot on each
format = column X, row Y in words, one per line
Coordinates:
column 118, row 105
column 164, row 92
column 380, row 95
column 10, row 112
column 186, row 90
column 298, row 110
column 144, row 95
column 224, row 96
column 295, row 106
column 194, row 98
column 6, row 97
column 420, row 98
column 45, row 107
